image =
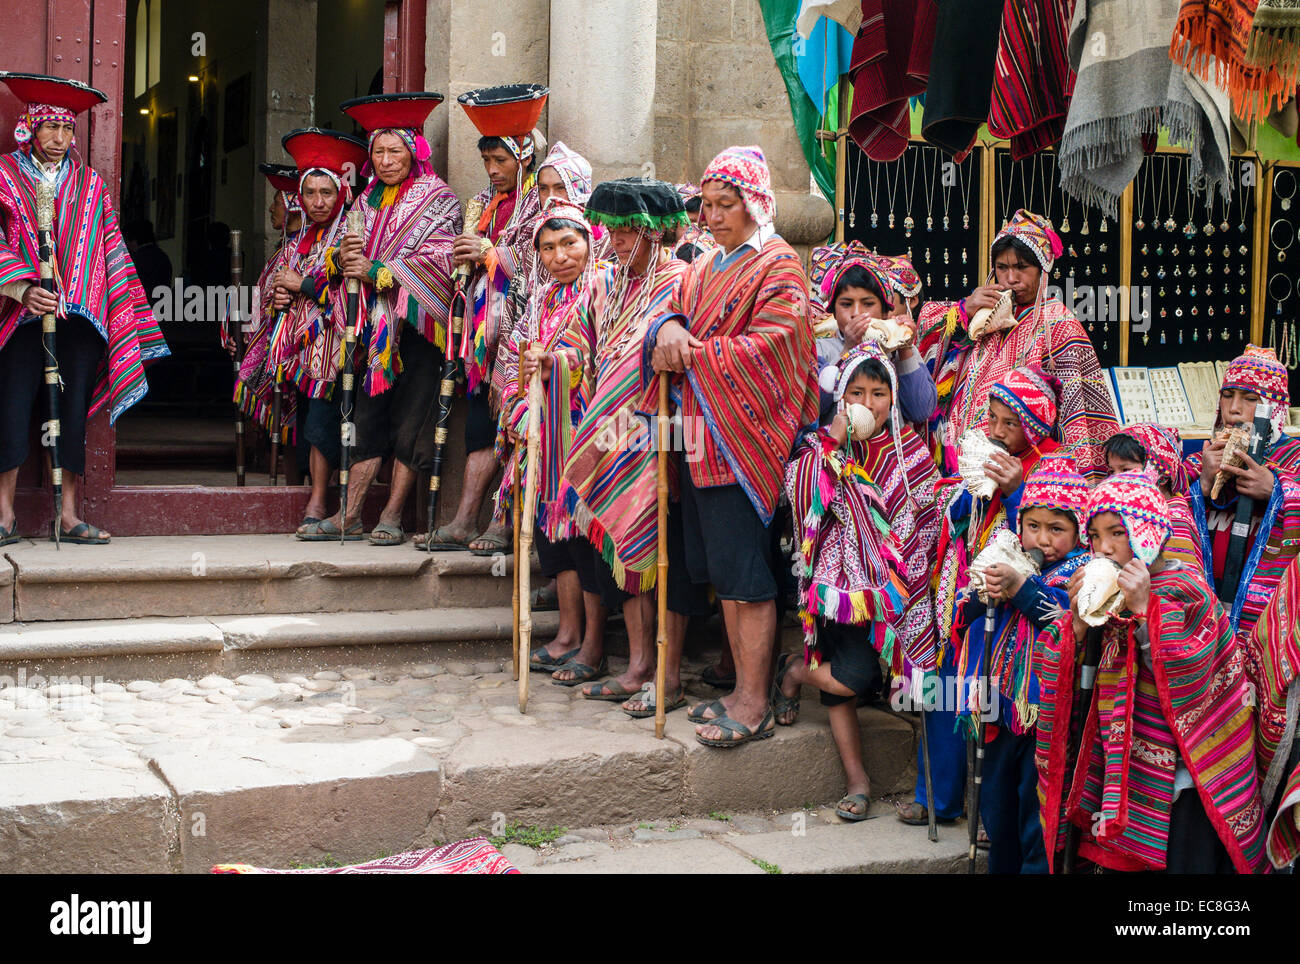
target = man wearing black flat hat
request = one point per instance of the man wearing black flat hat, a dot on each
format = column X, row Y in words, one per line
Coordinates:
column 104, row 328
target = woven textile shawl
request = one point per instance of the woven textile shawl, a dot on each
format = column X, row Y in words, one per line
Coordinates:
column 1275, row 38
column 1125, row 90
column 1211, row 39
column 98, row 279
column 1274, row 648
column 1201, row 713
column 1032, row 78
column 316, row 327
column 413, row 237
column 753, row 382
column 256, row 381
column 609, row 480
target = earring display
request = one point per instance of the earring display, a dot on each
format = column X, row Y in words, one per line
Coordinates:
column 927, row 208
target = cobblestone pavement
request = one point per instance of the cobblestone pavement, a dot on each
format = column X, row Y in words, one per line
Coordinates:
column 434, row 705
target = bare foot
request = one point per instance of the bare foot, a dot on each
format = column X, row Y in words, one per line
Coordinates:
column 498, row 534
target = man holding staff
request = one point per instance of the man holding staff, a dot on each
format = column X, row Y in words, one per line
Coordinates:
column 105, row 331
column 404, row 264
column 738, row 334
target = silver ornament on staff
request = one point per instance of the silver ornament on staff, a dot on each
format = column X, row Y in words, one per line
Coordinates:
column 351, row 327
column 45, row 194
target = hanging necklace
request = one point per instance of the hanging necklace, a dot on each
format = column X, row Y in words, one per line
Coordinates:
column 1189, row 229
column 909, row 222
column 1065, row 213
column 1170, row 223
column 1006, row 189
column 893, row 188
column 873, row 182
column 853, row 195
column 929, row 184
column 947, row 188
column 965, row 199
column 1140, row 196
column 1241, row 206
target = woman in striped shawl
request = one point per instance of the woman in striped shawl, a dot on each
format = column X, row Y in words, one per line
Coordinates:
column 610, row 477
column 1165, row 779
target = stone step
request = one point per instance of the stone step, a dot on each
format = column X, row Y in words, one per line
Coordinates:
column 270, row 799
column 150, row 576
column 108, row 638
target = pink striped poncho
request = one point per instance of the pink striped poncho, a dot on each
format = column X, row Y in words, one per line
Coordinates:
column 94, row 276
column 267, row 348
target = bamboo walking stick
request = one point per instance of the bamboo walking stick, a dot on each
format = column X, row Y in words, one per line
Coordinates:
column 351, row 326
column 234, row 318
column 446, row 390
column 53, row 383
column 661, row 586
column 277, row 399
column 932, row 821
column 526, row 529
column 515, row 515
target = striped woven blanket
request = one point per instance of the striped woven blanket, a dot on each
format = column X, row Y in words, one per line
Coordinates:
column 475, row 856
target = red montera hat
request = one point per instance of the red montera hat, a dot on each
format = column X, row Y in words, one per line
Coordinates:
column 511, row 110
column 312, row 147
column 403, row 111
column 48, row 98
column 282, row 177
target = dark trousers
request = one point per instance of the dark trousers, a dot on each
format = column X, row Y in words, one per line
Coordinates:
column 80, row 349
column 1009, row 805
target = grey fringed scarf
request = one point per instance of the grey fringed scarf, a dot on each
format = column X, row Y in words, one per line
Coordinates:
column 1127, row 87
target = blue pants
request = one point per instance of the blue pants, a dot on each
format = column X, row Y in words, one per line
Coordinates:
column 947, row 754
column 1009, row 805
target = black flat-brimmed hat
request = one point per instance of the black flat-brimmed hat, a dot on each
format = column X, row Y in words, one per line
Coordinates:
column 630, row 202
column 283, row 177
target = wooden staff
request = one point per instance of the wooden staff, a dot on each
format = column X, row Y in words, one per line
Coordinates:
column 351, row 328
column 45, row 231
column 931, row 819
column 661, row 587
column 236, row 322
column 985, row 697
column 527, row 513
column 515, row 517
column 1234, row 561
column 1078, row 720
column 277, row 399
column 447, row 387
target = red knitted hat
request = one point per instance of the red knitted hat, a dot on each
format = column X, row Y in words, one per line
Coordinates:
column 1056, row 484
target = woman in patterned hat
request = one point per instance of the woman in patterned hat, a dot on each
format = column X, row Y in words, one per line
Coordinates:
column 1165, row 775
column 1041, row 332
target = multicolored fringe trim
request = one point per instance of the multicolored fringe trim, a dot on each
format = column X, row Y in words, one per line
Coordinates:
column 652, row 222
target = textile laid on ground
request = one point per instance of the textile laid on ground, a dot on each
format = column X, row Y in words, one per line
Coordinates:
column 959, row 90
column 1211, row 39
column 1189, row 707
column 94, row 275
column 1126, row 89
column 1032, row 77
column 891, row 63
column 475, row 856
column 609, row 479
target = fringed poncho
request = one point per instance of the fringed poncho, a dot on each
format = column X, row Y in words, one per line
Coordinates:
column 849, row 568
column 94, row 275
column 268, row 347
column 1191, row 705
column 610, row 478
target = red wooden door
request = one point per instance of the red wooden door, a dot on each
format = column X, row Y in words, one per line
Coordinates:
column 85, row 40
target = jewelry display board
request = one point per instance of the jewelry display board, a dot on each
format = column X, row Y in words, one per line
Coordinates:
column 1282, row 267
column 1201, row 381
column 1132, row 387
column 923, row 205
column 1086, row 278
column 1192, row 261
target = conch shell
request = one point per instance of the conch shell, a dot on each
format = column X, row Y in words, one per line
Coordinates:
column 1004, row 548
column 1000, row 316
column 862, row 424
column 826, row 327
column 888, row 333
column 1238, row 444
column 1099, row 595
column 975, row 450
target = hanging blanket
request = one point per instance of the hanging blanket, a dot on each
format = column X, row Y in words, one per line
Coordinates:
column 1126, row 89
column 94, row 273
column 1191, row 706
column 609, row 484
column 1211, row 37
column 958, row 92
column 1032, row 77
column 1274, row 40
column 891, row 63
column 752, row 383
column 475, row 856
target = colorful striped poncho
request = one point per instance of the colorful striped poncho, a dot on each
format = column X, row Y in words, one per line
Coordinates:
column 958, row 547
column 94, row 276
column 316, row 323
column 1191, row 706
column 409, row 232
column 558, row 320
column 850, row 571
column 267, row 347
column 1274, row 650
column 752, row 383
column 1032, row 79
column 1272, row 547
column 1049, row 337
column 610, row 477
column 507, row 221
